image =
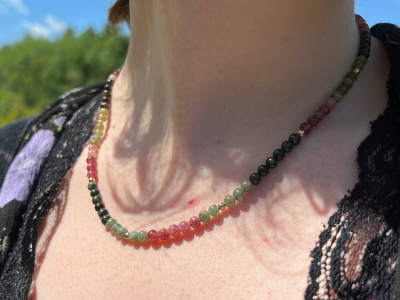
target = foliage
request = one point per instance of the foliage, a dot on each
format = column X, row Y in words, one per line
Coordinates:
column 35, row 71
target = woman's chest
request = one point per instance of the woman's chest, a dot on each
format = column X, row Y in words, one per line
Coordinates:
column 260, row 249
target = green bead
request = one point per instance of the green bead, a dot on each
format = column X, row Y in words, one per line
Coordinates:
column 358, row 65
column 213, row 210
column 97, row 199
column 104, row 219
column 142, row 236
column 133, row 236
column 121, row 232
column 94, row 192
column 102, row 212
column 92, row 185
column 230, row 201
column 337, row 96
column 342, row 89
column 111, row 222
column 204, row 216
column 348, row 82
column 116, row 227
column 361, row 58
column 238, row 194
column 246, row 186
column 352, row 75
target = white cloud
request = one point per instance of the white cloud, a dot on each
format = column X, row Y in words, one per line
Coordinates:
column 50, row 27
column 18, row 5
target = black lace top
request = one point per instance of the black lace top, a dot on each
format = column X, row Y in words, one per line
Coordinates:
column 356, row 255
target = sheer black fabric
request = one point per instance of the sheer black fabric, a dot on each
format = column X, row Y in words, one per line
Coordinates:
column 355, row 257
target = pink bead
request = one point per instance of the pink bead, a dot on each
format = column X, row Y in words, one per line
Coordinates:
column 163, row 234
column 114, row 76
column 313, row 121
column 325, row 109
column 173, row 230
column 152, row 235
column 194, row 222
column 92, row 174
column 360, row 21
column 93, row 148
column 306, row 128
column 331, row 102
column 184, row 226
column 91, row 167
column 364, row 27
column 92, row 154
column 91, row 160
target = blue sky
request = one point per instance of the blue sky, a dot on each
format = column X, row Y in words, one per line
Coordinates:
column 50, row 18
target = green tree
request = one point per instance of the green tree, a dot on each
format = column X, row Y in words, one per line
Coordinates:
column 35, row 71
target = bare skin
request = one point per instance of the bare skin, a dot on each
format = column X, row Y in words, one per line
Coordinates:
column 209, row 89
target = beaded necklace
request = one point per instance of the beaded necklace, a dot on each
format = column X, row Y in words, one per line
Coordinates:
column 239, row 193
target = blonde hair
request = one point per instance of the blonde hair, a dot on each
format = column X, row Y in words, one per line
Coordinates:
column 119, row 12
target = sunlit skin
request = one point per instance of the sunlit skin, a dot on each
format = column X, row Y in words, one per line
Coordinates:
column 208, row 90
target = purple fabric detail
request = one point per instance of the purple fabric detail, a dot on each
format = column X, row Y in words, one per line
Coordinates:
column 59, row 121
column 25, row 167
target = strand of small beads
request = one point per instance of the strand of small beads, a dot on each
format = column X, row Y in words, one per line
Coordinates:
column 254, row 179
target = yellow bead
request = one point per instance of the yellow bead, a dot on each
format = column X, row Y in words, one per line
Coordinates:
column 99, row 132
column 95, row 142
column 104, row 111
column 102, row 117
column 99, row 126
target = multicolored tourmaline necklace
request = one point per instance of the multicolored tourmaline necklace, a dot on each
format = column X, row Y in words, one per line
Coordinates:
column 239, row 193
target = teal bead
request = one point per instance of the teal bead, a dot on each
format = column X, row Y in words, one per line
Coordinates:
column 104, row 219
column 97, row 199
column 121, row 232
column 102, row 212
column 246, row 186
column 92, row 185
column 238, row 194
column 213, row 210
column 133, row 236
column 94, row 192
column 115, row 227
column 111, row 222
column 230, row 201
column 142, row 236
column 204, row 216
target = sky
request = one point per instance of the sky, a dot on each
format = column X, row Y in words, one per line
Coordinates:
column 49, row 19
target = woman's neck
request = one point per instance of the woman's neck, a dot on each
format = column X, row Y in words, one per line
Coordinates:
column 207, row 74
column 213, row 62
